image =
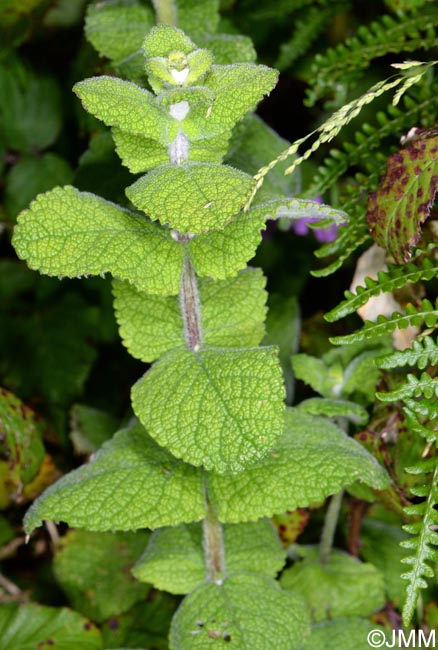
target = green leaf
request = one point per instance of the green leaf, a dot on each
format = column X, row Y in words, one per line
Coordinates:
column 238, row 88
column 343, row 586
column 334, row 408
column 380, row 545
column 283, row 329
column 219, row 408
column 140, row 154
column 21, row 447
column 29, row 626
column 285, row 480
column 233, row 312
column 93, row 569
column 90, row 428
column 405, row 196
column 30, row 108
column 246, row 610
column 223, row 253
column 125, row 105
column 229, row 48
column 349, row 633
column 193, row 197
column 196, row 18
column 295, row 209
column 174, row 559
column 71, row 233
column 314, row 372
column 146, row 625
column 131, row 483
column 116, row 28
column 413, row 387
column 164, row 39
column 32, row 175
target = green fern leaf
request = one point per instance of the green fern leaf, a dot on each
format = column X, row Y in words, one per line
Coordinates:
column 426, row 313
column 414, row 387
column 388, row 34
column 424, row 352
column 424, row 542
column 395, row 277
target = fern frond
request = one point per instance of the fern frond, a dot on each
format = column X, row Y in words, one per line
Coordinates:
column 427, row 314
column 422, row 354
column 345, row 63
column 307, row 29
column 394, row 277
column 347, row 242
column 425, row 539
column 415, row 426
column 426, row 408
column 413, row 387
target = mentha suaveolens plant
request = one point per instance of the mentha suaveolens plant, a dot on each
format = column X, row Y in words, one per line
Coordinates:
column 214, row 449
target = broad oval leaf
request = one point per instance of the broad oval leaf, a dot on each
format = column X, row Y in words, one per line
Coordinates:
column 312, row 460
column 29, row 626
column 131, row 483
column 343, row 586
column 222, row 253
column 70, row 233
column 124, row 104
column 405, row 196
column 174, row 558
column 219, row 408
column 192, row 197
column 246, row 611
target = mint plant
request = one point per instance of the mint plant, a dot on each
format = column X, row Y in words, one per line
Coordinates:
column 213, row 450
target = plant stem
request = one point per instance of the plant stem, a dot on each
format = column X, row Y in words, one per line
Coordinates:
column 330, row 523
column 213, row 546
column 190, row 306
column 165, row 11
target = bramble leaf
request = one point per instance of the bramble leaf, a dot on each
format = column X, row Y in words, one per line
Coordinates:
column 192, row 197
column 21, row 448
column 219, row 408
column 71, row 233
column 405, row 196
column 233, row 312
column 174, row 558
column 250, row 611
column 285, row 480
column 24, row 626
column 93, row 569
column 131, row 483
column 343, row 586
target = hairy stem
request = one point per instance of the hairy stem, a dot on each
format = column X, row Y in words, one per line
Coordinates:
column 330, row 523
column 165, row 11
column 213, row 546
column 190, row 306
